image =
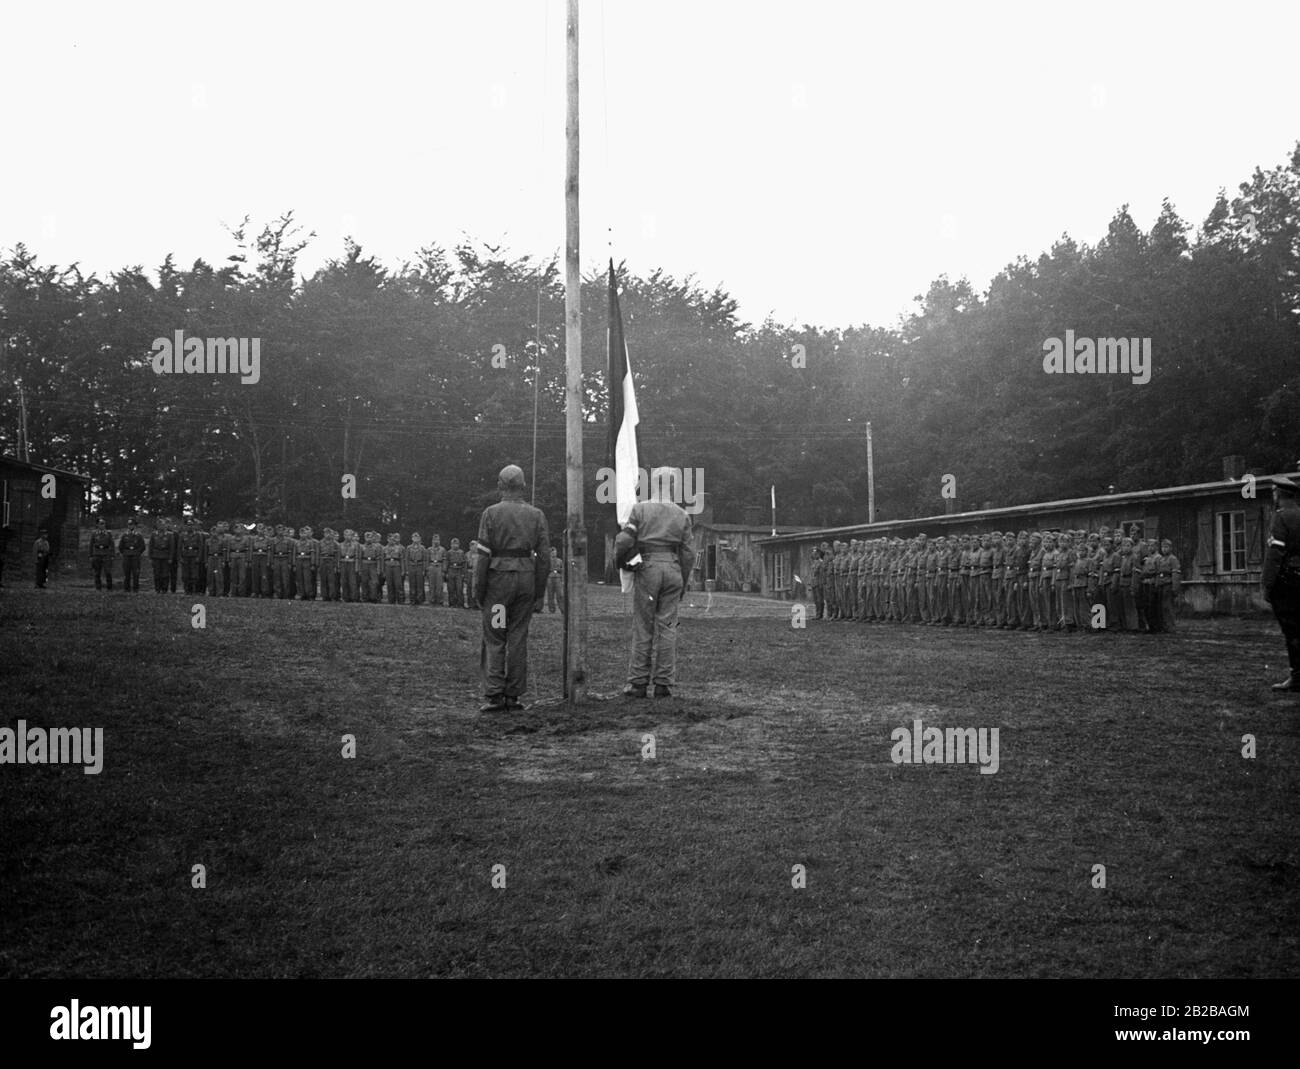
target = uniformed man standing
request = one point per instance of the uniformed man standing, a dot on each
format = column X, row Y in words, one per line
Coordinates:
column 190, row 548
column 511, row 563
column 417, row 563
column 239, row 554
column 306, row 559
column 1168, row 584
column 160, row 555
column 174, row 562
column 660, row 530
column 349, row 564
column 101, row 554
column 394, row 568
column 42, row 548
column 1281, row 577
column 555, row 584
column 372, row 559
column 437, row 558
column 260, row 556
column 455, row 574
column 214, row 553
column 818, row 567
column 131, row 547
column 329, row 565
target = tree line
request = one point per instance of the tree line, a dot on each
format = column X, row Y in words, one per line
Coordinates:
column 421, row 380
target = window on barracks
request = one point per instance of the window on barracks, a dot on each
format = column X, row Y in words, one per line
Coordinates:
column 778, row 572
column 1232, row 541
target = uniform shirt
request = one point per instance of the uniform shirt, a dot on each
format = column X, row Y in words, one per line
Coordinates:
column 521, row 528
column 394, row 556
column 372, row 553
column 437, row 554
column 307, row 549
column 191, row 545
column 1283, row 552
column 101, row 544
column 417, row 554
column 282, row 547
column 160, row 547
column 662, row 525
column 455, row 560
column 42, row 547
column 328, row 549
column 238, row 546
column 349, row 550
column 131, row 544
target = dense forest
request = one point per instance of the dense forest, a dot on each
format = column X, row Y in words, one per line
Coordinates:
column 419, row 379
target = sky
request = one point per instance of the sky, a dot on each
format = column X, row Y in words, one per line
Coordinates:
column 823, row 162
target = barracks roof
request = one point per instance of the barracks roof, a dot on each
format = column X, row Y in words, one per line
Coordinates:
column 1168, row 493
column 13, row 462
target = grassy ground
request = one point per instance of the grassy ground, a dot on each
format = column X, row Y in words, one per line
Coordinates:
column 222, row 748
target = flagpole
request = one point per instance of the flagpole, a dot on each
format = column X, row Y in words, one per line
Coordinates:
column 575, row 539
column 871, row 479
column 773, row 511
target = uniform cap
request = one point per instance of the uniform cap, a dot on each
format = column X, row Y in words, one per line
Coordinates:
column 511, row 477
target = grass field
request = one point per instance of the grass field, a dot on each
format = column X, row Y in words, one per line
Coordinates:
column 223, row 748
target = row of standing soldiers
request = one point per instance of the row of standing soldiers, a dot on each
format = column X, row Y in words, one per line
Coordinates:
column 269, row 562
column 1031, row 582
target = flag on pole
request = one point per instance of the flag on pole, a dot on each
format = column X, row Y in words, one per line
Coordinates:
column 621, row 446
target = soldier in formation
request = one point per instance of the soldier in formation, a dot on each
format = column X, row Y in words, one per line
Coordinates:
column 1072, row 581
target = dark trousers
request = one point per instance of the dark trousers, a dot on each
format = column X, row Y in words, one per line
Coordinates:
column 282, row 569
column 1286, row 607
column 415, row 578
column 306, row 584
column 393, row 580
column 329, row 578
column 455, row 584
column 131, row 574
column 103, row 566
column 191, row 573
column 216, row 580
column 504, row 655
column 819, row 601
column 348, row 580
column 42, row 569
column 160, row 565
column 370, row 580
column 172, row 567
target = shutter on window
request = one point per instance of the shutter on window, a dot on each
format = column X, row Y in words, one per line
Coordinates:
column 1205, row 540
column 1254, row 536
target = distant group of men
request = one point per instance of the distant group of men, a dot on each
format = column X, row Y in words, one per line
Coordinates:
column 1044, row 581
column 265, row 561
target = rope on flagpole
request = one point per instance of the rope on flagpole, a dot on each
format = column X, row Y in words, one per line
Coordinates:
column 541, row 162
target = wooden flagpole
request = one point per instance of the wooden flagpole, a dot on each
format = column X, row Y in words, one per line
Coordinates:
column 575, row 536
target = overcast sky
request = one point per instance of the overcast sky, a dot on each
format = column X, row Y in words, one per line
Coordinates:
column 821, row 161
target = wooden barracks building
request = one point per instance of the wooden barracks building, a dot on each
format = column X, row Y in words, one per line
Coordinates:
column 1218, row 534
column 26, row 509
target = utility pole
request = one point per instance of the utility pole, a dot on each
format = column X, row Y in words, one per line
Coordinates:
column 871, row 479
column 575, row 535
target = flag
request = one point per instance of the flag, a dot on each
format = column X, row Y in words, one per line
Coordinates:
column 621, row 445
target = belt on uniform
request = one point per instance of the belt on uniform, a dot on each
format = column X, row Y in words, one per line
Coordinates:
column 512, row 552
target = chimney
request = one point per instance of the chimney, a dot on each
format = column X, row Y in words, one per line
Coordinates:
column 1234, row 467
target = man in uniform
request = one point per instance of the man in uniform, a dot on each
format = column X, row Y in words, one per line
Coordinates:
column 349, row 565
column 329, row 565
column 455, row 574
column 101, row 554
column 239, row 555
column 1281, row 576
column 190, row 549
column 394, row 568
column 173, row 565
column 131, row 547
column 815, row 582
column 282, row 561
column 160, row 555
column 306, row 559
column 214, row 553
column 660, row 530
column 417, row 563
column 437, row 560
column 1168, row 584
column 555, row 584
column 511, row 562
column 372, row 560
column 259, row 559
column 42, row 548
